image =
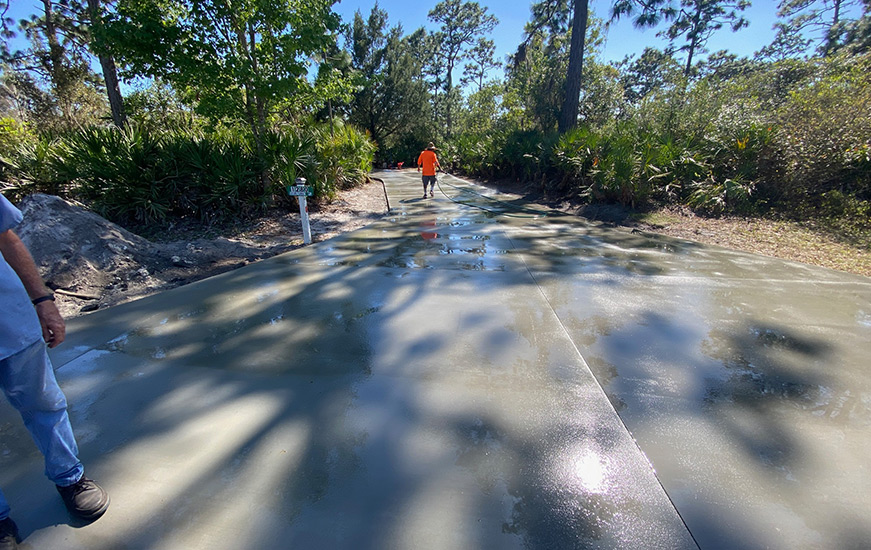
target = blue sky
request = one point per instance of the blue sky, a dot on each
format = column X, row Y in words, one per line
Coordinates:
column 622, row 39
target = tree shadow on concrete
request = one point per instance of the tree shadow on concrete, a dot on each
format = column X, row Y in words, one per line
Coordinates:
column 274, row 416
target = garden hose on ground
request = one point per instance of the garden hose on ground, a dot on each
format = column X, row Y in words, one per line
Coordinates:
column 525, row 212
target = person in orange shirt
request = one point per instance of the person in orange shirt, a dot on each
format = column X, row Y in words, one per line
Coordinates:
column 428, row 162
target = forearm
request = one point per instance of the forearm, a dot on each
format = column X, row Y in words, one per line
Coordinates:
column 20, row 260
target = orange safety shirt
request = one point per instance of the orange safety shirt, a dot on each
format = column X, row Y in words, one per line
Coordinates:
column 428, row 162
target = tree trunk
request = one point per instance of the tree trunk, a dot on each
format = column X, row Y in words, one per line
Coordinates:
column 690, row 52
column 831, row 35
column 110, row 72
column 571, row 102
column 113, row 90
column 54, row 64
column 260, row 121
column 448, row 88
column 242, row 42
column 694, row 40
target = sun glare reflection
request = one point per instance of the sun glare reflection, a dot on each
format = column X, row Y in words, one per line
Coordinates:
column 583, row 469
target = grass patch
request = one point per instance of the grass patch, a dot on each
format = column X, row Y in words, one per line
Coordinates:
column 656, row 219
column 810, row 243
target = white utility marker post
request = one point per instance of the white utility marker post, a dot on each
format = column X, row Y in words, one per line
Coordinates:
column 301, row 191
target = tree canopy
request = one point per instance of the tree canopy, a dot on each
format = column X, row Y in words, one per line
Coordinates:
column 239, row 58
column 256, row 92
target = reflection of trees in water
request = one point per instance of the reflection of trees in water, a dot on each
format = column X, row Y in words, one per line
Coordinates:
column 549, row 509
column 510, row 460
column 426, row 249
column 777, row 367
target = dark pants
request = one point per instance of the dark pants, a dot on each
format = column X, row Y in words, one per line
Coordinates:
column 431, row 180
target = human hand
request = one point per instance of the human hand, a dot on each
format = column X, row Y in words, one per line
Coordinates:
column 53, row 326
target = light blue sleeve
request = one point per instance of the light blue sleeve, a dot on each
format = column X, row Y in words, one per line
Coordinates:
column 19, row 324
column 9, row 215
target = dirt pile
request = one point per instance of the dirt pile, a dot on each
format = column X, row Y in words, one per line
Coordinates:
column 76, row 249
column 92, row 263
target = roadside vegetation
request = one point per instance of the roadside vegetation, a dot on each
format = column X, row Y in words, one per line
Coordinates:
column 232, row 105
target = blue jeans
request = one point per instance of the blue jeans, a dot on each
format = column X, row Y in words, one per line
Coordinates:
column 28, row 380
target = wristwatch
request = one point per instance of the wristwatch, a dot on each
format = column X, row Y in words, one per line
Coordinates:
column 42, row 299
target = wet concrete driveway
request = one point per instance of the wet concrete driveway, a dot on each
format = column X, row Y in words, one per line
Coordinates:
column 471, row 373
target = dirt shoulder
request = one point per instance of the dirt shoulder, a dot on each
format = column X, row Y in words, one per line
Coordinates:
column 780, row 239
column 93, row 264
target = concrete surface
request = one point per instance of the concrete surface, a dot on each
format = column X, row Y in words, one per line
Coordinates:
column 471, row 373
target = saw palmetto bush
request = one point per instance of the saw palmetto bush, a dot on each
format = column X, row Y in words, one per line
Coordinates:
column 136, row 175
column 291, row 154
column 611, row 164
column 33, row 166
column 123, row 175
column 575, row 156
column 142, row 175
column 344, row 158
column 527, row 155
column 722, row 170
column 616, row 176
column 477, row 153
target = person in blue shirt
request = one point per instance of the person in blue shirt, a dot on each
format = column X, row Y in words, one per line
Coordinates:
column 30, row 322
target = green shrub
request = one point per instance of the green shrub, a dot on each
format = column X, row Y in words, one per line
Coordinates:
column 478, row 154
column 719, row 195
column 610, row 165
column 13, row 135
column 143, row 175
column 575, row 152
column 616, row 176
column 823, row 137
column 227, row 174
column 858, row 169
column 291, row 154
column 34, row 167
column 732, row 163
column 344, row 156
column 528, row 155
column 135, row 175
column 124, row 175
